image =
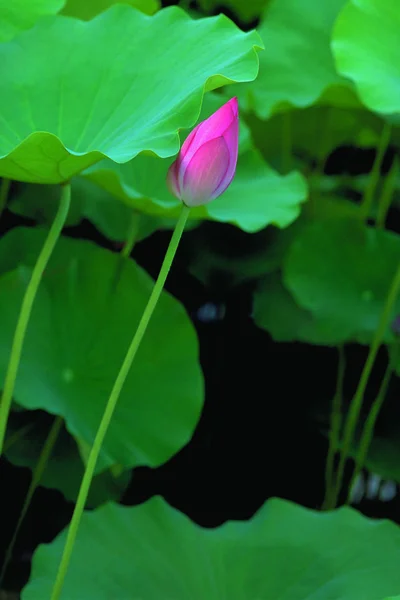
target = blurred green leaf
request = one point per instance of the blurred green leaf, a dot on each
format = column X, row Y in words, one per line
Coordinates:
column 78, row 335
column 88, row 9
column 311, row 134
column 88, row 201
column 285, row 551
column 366, row 48
column 297, row 66
column 115, row 86
column 65, row 468
column 340, row 271
column 276, row 311
column 257, row 197
column 17, row 15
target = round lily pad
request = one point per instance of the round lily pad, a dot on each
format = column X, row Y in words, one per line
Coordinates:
column 115, row 86
column 342, row 270
column 285, row 551
column 85, row 314
column 276, row 311
column 366, row 47
column 297, row 66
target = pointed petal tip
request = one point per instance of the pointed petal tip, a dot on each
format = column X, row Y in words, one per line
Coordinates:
column 233, row 103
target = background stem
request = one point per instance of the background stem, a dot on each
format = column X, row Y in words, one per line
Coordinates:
column 387, row 194
column 112, row 402
column 36, row 478
column 368, row 430
column 26, row 308
column 334, row 430
column 4, row 189
column 373, row 179
column 356, row 403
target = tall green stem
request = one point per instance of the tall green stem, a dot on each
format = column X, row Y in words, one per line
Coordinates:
column 132, row 235
column 375, row 173
column 4, row 189
column 36, row 478
column 356, row 403
column 334, row 430
column 387, row 194
column 26, row 308
column 286, row 155
column 368, row 430
column 127, row 248
column 112, row 402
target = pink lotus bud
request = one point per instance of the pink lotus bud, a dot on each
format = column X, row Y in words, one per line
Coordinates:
column 207, row 160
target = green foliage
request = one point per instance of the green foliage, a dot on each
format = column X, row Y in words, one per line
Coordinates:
column 18, row 15
column 103, row 94
column 341, row 272
column 52, row 132
column 365, row 43
column 297, row 67
column 26, row 435
column 284, row 551
column 112, row 219
column 270, row 198
column 82, row 322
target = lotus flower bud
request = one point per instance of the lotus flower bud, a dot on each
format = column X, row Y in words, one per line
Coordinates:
column 207, row 160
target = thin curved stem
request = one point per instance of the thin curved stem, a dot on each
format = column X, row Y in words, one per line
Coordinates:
column 26, row 308
column 356, row 404
column 334, row 430
column 369, row 426
column 4, row 189
column 373, row 179
column 36, row 478
column 127, row 249
column 286, row 155
column 112, row 402
column 386, row 196
column 132, row 235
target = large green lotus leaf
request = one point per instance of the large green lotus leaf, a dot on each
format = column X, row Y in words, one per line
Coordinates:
column 246, row 11
column 88, row 201
column 297, row 66
column 88, row 9
column 341, row 270
column 79, row 332
column 26, row 435
column 115, row 86
column 285, row 551
column 17, row 15
column 366, row 48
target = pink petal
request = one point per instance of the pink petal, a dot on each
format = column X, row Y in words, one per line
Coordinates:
column 204, row 173
column 231, row 137
column 213, row 127
column 172, row 180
